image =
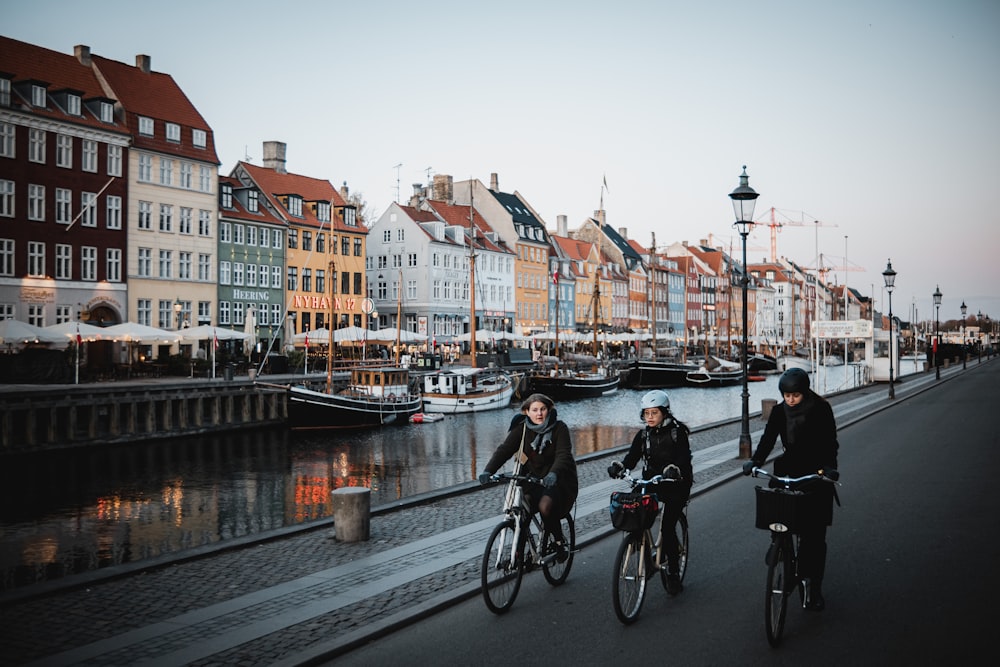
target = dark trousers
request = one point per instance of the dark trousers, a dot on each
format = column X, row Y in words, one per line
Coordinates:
column 674, row 497
column 812, row 553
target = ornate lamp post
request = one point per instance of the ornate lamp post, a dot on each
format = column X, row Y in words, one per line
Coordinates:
column 979, row 325
column 965, row 354
column 744, row 199
column 937, row 334
column 177, row 312
column 890, row 281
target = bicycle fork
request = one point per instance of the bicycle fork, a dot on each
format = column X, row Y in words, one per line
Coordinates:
column 782, row 547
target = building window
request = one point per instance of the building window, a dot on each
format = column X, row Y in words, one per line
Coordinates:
column 223, row 312
column 238, row 273
column 251, row 275
column 36, row 314
column 165, row 314
column 114, row 265
column 320, row 281
column 225, row 274
column 204, row 223
column 6, row 198
column 64, row 151
column 173, row 132
column 89, row 153
column 205, row 179
column 306, row 280
column 7, row 143
column 293, row 278
column 238, row 235
column 252, row 204
column 63, row 313
column 226, row 195
column 199, row 138
column 184, row 265
column 350, row 216
column 145, row 126
column 295, row 205
column 166, row 218
column 145, row 267
column 225, row 232
column 114, row 219
column 204, row 267
column 36, row 146
column 73, row 105
column 184, row 222
column 323, row 211
column 88, row 263
column 276, row 240
column 36, row 202
column 386, row 236
column 345, row 245
column 144, row 311
column 64, row 261
column 307, row 240
column 64, row 206
column 264, row 271
column 145, row 168
column 6, row 257
column 321, row 242
column 186, row 175
column 166, row 171
column 38, row 97
column 107, row 112
column 88, row 209
column 166, row 264
column 345, row 282
column 145, row 215
column 293, row 238
column 275, row 277
column 36, row 258
column 251, row 235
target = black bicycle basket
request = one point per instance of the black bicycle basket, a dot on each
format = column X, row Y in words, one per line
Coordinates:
column 633, row 511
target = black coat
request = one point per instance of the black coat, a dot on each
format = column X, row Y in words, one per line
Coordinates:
column 667, row 444
column 556, row 457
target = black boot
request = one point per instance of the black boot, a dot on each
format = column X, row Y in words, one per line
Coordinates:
column 816, row 601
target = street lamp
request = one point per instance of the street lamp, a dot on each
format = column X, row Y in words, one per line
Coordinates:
column 177, row 312
column 744, row 199
column 937, row 326
column 979, row 333
column 890, row 281
column 965, row 355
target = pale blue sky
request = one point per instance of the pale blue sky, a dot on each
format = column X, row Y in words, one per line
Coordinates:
column 878, row 117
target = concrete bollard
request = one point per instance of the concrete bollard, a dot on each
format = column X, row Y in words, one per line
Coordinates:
column 352, row 513
column 766, row 405
column 252, row 373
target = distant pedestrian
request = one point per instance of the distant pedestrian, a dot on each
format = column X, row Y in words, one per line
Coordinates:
column 805, row 423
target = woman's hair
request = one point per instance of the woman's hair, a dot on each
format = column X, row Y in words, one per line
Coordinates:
column 537, row 398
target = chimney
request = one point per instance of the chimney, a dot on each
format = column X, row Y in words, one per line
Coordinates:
column 444, row 189
column 274, row 156
column 345, row 192
column 144, row 63
column 418, row 195
column 82, row 52
column 623, row 232
column 562, row 227
column 703, row 243
column 599, row 216
column 494, row 182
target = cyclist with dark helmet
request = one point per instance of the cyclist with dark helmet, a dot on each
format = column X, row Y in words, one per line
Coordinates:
column 804, row 421
column 665, row 450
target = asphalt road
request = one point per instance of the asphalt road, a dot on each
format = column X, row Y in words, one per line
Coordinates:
column 911, row 575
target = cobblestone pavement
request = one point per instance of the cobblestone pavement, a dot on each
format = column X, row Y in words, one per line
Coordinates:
column 303, row 595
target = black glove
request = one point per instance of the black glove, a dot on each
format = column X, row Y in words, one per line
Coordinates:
column 485, row 478
column 832, row 474
column 549, row 480
column 672, row 472
column 615, row 470
column 748, row 467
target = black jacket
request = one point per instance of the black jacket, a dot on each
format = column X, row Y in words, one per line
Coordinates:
column 814, row 446
column 661, row 446
column 556, row 457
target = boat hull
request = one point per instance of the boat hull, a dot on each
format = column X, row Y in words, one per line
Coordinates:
column 658, row 374
column 706, row 378
column 308, row 409
column 790, row 361
column 569, row 387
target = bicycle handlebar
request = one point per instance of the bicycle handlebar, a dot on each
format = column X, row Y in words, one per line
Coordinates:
column 789, row 482
column 498, row 477
column 655, row 479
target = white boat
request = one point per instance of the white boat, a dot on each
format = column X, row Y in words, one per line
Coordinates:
column 426, row 417
column 463, row 389
column 791, row 361
column 376, row 396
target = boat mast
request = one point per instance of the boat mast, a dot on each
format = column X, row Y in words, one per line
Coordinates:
column 555, row 281
column 399, row 314
column 652, row 289
column 329, row 341
column 596, row 305
column 472, row 279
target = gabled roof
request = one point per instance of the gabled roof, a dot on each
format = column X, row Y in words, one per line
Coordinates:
column 239, row 212
column 624, row 246
column 457, row 215
column 519, row 213
column 274, row 184
column 156, row 95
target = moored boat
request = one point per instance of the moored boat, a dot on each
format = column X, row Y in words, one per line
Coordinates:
column 374, row 396
column 462, row 389
column 426, row 417
column 715, row 373
column 650, row 374
column 569, row 385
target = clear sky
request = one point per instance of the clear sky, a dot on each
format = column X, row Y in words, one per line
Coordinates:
column 878, row 118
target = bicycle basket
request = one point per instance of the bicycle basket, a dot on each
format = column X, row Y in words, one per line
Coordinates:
column 633, row 511
column 781, row 506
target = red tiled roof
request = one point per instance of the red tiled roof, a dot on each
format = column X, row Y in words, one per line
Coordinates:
column 239, row 212
column 274, row 184
column 459, row 215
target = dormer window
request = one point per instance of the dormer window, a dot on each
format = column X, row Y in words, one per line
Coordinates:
column 199, row 138
column 145, row 126
column 73, row 104
column 107, row 112
column 38, row 98
column 350, row 216
column 173, row 132
column 4, row 92
column 252, row 204
column 323, row 211
column 226, row 193
column 295, row 205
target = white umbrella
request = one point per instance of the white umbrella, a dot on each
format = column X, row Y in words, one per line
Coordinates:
column 389, row 336
column 134, row 332
column 315, row 337
column 88, row 333
column 349, row 335
column 250, row 329
column 13, row 332
column 204, row 331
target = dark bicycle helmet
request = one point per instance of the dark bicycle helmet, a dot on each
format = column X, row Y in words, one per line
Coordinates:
column 793, row 381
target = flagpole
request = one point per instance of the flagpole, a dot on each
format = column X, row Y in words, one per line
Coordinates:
column 77, row 378
column 215, row 344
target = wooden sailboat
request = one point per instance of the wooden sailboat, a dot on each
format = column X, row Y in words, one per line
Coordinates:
column 375, row 395
column 468, row 389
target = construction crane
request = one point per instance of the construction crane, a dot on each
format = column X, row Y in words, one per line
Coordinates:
column 775, row 225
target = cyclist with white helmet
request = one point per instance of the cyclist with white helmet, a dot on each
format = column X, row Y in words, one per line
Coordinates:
column 665, row 450
column 805, row 423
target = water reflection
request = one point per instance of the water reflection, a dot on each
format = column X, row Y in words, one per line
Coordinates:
column 73, row 511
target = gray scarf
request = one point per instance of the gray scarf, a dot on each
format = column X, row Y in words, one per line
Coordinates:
column 543, row 431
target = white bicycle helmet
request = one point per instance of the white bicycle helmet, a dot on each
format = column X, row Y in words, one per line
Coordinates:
column 656, row 399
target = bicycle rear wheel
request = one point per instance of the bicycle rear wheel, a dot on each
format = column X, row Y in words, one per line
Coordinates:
column 780, row 577
column 629, row 583
column 557, row 569
column 501, row 575
column 682, row 544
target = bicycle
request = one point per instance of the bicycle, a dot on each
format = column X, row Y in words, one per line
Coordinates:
column 520, row 543
column 778, row 509
column 639, row 556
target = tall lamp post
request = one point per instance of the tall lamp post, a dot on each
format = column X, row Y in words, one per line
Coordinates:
column 744, row 199
column 177, row 312
column 937, row 333
column 965, row 354
column 890, row 281
column 979, row 334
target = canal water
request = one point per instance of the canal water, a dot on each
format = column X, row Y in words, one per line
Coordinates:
column 66, row 512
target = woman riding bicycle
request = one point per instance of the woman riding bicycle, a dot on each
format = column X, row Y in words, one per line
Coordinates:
column 545, row 451
column 663, row 445
column 808, row 432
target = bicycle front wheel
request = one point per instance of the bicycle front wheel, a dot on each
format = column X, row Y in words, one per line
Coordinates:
column 779, row 579
column 629, row 583
column 501, row 569
column 556, row 569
